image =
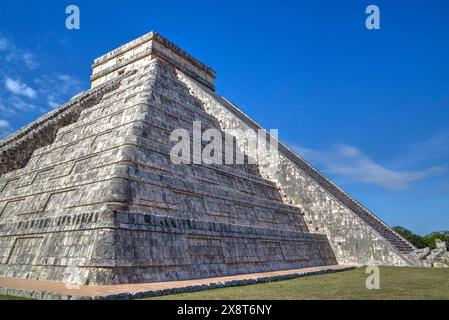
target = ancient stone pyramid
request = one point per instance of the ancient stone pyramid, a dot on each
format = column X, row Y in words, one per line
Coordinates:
column 90, row 187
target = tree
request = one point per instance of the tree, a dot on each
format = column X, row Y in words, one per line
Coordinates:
column 413, row 238
column 430, row 239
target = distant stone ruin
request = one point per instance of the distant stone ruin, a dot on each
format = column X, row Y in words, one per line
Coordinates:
column 440, row 245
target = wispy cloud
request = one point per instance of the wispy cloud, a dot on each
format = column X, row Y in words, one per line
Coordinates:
column 13, row 54
column 28, row 58
column 350, row 163
column 5, row 128
column 436, row 147
column 26, row 90
column 4, row 43
column 19, row 88
column 25, row 106
column 58, row 87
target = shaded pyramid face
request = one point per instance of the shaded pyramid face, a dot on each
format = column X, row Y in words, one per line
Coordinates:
column 105, row 204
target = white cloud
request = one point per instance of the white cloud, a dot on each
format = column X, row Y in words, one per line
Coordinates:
column 58, row 88
column 4, row 43
column 350, row 163
column 18, row 104
column 22, row 96
column 16, row 55
column 436, row 147
column 7, row 112
column 19, row 88
column 53, row 104
column 28, row 59
column 5, row 128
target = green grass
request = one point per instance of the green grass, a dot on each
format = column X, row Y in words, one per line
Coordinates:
column 395, row 284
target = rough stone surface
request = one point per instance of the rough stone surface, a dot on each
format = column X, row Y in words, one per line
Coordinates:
column 17, row 149
column 356, row 235
column 104, row 201
column 99, row 200
column 441, row 245
column 140, row 51
column 438, row 258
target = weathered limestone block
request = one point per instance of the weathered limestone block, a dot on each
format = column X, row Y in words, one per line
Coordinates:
column 101, row 202
column 356, row 235
column 89, row 195
column 441, row 245
column 16, row 150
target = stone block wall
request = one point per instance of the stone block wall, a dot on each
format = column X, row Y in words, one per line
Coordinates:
column 104, row 201
column 88, row 193
column 16, row 150
column 356, row 236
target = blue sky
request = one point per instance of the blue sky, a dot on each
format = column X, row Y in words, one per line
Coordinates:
column 370, row 109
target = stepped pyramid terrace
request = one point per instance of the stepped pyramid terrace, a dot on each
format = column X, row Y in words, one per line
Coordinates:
column 89, row 192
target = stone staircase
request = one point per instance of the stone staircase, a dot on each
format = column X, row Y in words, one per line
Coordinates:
column 386, row 232
column 370, row 218
column 366, row 215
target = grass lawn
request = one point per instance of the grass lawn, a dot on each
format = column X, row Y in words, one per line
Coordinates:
column 395, row 283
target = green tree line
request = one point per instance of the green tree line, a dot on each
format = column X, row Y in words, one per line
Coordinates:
column 423, row 241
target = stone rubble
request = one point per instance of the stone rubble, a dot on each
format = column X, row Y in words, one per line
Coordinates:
column 437, row 258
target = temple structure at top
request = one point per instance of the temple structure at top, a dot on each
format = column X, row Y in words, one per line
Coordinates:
column 140, row 52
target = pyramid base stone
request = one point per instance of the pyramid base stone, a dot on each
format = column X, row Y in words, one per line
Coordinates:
column 49, row 290
column 111, row 247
